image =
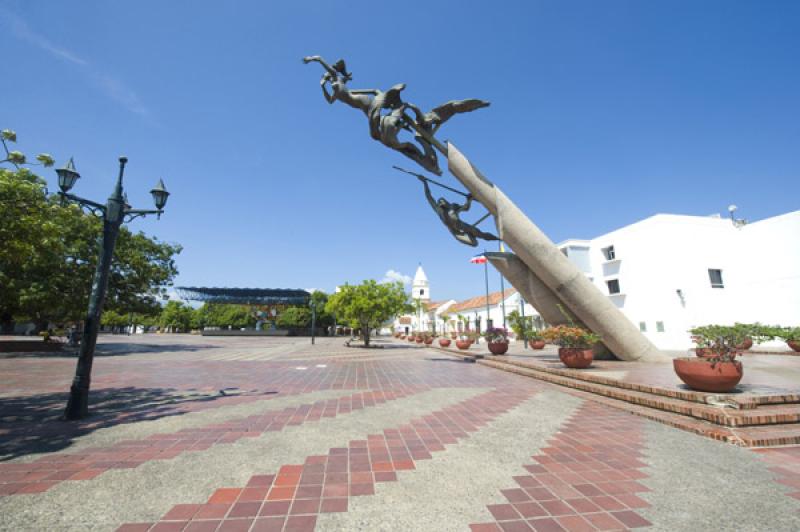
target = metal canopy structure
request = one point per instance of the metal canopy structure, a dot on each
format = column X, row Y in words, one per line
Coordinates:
column 245, row 296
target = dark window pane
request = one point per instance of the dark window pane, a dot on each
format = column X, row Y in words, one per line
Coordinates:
column 715, row 276
column 613, row 286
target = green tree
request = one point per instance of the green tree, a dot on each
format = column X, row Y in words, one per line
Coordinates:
column 521, row 325
column 224, row 316
column 176, row 315
column 368, row 305
column 48, row 253
column 114, row 319
column 324, row 317
column 294, row 318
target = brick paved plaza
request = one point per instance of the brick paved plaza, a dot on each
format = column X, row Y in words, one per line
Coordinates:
column 326, row 437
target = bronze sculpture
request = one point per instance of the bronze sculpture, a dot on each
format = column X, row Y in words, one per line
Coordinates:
column 387, row 115
column 542, row 268
column 450, row 213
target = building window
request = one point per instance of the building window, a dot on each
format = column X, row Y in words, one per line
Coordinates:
column 659, row 326
column 643, row 326
column 715, row 276
column 613, row 286
column 422, row 291
column 609, row 254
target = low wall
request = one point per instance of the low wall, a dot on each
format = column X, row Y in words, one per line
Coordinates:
column 246, row 332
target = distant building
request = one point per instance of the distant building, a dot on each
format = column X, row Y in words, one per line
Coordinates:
column 667, row 274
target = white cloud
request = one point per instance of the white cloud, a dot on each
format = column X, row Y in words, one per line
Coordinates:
column 111, row 87
column 393, row 276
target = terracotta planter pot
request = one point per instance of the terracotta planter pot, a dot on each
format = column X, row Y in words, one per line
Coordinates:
column 746, row 344
column 576, row 357
column 708, row 376
column 794, row 344
column 536, row 344
column 428, row 341
column 498, row 348
column 463, row 344
column 453, row 336
column 403, row 337
column 411, row 339
column 419, row 339
column 444, row 342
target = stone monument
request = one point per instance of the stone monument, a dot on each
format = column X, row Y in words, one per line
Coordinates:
column 537, row 268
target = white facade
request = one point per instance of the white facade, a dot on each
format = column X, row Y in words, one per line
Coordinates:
column 673, row 272
column 420, row 287
column 474, row 310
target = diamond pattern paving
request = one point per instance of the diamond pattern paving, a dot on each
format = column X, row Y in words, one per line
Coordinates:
column 46, row 472
column 291, row 499
column 587, row 479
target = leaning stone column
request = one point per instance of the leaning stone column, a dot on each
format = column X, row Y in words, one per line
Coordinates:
column 531, row 287
column 578, row 295
column 538, row 294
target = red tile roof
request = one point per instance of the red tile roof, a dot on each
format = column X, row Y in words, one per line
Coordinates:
column 479, row 302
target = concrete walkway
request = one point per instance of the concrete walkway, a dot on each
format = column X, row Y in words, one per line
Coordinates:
column 332, row 438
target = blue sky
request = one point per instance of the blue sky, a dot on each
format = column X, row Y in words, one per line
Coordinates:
column 603, row 113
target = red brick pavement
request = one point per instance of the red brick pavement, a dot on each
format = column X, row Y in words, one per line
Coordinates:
column 586, row 480
column 40, row 475
column 785, row 464
column 292, row 499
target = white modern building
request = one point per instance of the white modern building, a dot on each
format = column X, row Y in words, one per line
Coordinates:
column 670, row 272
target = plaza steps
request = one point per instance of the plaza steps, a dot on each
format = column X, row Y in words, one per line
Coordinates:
column 755, row 421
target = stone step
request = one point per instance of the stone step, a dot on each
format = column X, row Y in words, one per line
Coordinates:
column 719, row 415
column 744, row 401
column 749, row 436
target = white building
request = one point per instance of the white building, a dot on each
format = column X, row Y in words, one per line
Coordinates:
column 475, row 311
column 669, row 272
column 442, row 316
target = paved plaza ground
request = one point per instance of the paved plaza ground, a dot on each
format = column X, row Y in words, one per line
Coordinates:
column 235, row 434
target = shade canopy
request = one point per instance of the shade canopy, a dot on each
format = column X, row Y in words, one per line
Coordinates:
column 245, row 296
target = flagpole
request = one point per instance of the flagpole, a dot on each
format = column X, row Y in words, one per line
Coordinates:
column 486, row 274
column 502, row 292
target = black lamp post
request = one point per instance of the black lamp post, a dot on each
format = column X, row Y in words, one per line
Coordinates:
column 313, row 306
column 114, row 213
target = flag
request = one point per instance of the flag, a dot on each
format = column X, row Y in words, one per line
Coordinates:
column 478, row 259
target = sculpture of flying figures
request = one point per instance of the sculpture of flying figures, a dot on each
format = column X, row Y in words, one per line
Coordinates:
column 385, row 128
column 450, row 214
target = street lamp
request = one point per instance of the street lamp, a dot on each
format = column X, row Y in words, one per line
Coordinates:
column 313, row 306
column 114, row 213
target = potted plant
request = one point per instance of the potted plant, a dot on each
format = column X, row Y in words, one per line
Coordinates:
column 465, row 339
column 574, row 344
column 497, row 340
column 427, row 338
column 747, row 333
column 716, row 369
column 790, row 335
column 535, row 339
column 444, row 341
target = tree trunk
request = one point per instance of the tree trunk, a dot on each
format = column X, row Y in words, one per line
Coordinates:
column 365, row 332
column 6, row 324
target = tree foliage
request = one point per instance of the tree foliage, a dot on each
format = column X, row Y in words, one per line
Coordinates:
column 48, row 253
column 224, row 316
column 294, row 318
column 369, row 305
column 176, row 316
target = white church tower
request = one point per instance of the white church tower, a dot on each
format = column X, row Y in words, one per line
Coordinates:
column 419, row 288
